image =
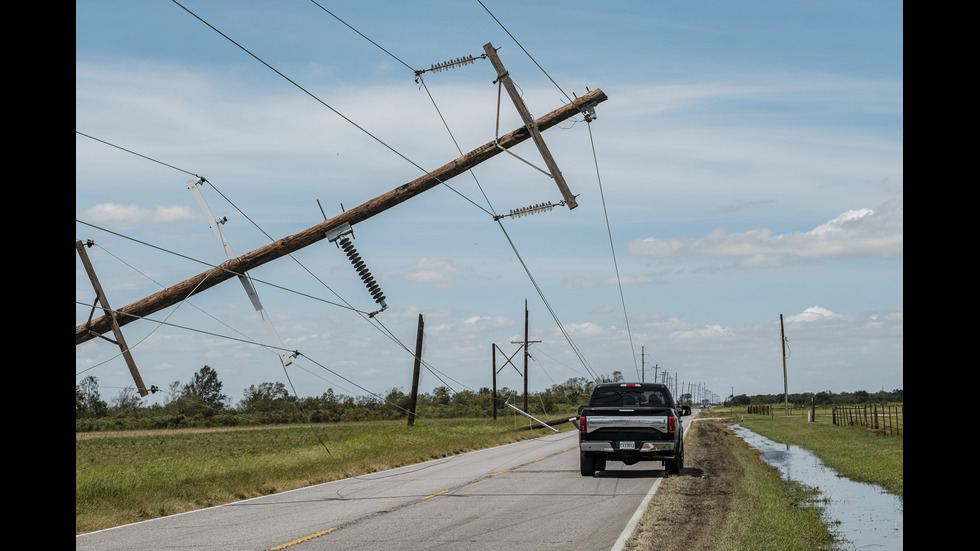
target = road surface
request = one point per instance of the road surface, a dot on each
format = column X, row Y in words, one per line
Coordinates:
column 523, row 496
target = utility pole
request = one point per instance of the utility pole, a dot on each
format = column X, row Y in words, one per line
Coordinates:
column 248, row 261
column 782, row 339
column 527, row 354
column 415, row 375
column 101, row 299
column 643, row 367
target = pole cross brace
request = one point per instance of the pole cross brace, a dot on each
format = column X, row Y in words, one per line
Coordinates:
column 515, row 96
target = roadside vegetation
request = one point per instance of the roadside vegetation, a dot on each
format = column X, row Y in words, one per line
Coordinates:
column 203, row 402
column 728, row 499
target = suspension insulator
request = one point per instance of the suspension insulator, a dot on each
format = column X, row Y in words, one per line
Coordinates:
column 363, row 271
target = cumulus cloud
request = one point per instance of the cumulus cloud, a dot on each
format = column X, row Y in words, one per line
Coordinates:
column 813, row 313
column 134, row 214
column 855, row 233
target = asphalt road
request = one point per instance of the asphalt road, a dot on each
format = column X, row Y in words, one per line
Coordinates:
column 523, row 496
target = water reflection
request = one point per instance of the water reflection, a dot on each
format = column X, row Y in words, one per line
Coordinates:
column 868, row 517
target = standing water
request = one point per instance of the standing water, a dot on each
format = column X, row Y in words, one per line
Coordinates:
column 866, row 517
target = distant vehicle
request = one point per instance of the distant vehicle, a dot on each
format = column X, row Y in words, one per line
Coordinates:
column 630, row 422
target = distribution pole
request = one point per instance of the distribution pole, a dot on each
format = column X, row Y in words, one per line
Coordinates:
column 782, row 333
column 248, row 261
column 643, row 367
column 101, row 299
column 415, row 375
column 527, row 354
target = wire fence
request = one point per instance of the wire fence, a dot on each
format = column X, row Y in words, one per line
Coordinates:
column 881, row 418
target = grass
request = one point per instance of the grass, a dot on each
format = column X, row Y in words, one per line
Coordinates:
column 764, row 515
column 855, row 452
column 128, row 477
column 728, row 499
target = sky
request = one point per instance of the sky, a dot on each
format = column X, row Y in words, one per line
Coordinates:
column 740, row 192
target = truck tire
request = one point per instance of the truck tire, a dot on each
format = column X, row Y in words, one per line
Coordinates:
column 675, row 465
column 587, row 464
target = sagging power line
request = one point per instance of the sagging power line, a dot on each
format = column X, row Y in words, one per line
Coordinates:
column 212, row 277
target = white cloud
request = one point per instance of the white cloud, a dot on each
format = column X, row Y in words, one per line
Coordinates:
column 813, row 313
column 855, row 233
column 134, row 214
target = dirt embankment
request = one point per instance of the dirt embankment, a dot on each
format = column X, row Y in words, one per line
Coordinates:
column 702, row 491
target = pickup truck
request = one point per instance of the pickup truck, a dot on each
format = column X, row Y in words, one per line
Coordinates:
column 630, row 422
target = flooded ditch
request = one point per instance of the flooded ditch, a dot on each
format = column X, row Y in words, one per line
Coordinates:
column 863, row 515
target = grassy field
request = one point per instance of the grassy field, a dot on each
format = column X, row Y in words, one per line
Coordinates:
column 856, row 452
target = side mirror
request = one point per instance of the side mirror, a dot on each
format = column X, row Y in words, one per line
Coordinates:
column 580, row 410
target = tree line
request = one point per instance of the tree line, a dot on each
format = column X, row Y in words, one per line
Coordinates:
column 824, row 398
column 202, row 402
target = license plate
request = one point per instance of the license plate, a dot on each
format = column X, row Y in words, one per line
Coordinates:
column 627, row 445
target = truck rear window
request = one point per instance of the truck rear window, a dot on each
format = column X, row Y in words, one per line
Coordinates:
column 618, row 397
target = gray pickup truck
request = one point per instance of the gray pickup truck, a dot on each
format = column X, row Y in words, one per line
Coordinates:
column 630, row 422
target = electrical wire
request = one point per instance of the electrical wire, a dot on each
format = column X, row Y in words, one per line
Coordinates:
column 504, row 231
column 598, row 177
column 389, row 147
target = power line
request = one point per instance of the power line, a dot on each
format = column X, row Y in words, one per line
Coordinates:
column 598, row 177
column 506, row 235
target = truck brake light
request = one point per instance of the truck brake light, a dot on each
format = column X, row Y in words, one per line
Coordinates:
column 581, row 424
column 671, row 424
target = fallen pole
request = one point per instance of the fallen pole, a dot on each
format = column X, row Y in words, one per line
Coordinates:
column 248, row 261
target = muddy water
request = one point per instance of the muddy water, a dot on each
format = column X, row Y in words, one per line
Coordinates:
column 864, row 516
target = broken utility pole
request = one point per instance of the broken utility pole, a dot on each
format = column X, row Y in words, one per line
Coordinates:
column 504, row 78
column 248, row 261
column 101, row 299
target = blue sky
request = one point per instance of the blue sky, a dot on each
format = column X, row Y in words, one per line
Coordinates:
column 747, row 164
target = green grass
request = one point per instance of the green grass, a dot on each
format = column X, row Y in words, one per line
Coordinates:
column 855, row 452
column 764, row 516
column 124, row 477
column 728, row 499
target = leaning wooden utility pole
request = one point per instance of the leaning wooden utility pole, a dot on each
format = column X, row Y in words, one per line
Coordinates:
column 249, row 261
column 101, row 299
column 415, row 375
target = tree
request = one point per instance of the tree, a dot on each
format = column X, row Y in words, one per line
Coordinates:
column 203, row 393
column 126, row 402
column 88, row 402
column 265, row 397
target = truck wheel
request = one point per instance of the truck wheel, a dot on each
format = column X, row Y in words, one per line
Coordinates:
column 675, row 465
column 600, row 464
column 587, row 464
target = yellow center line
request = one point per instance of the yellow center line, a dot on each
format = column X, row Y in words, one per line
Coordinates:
column 435, row 494
column 501, row 472
column 301, row 540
